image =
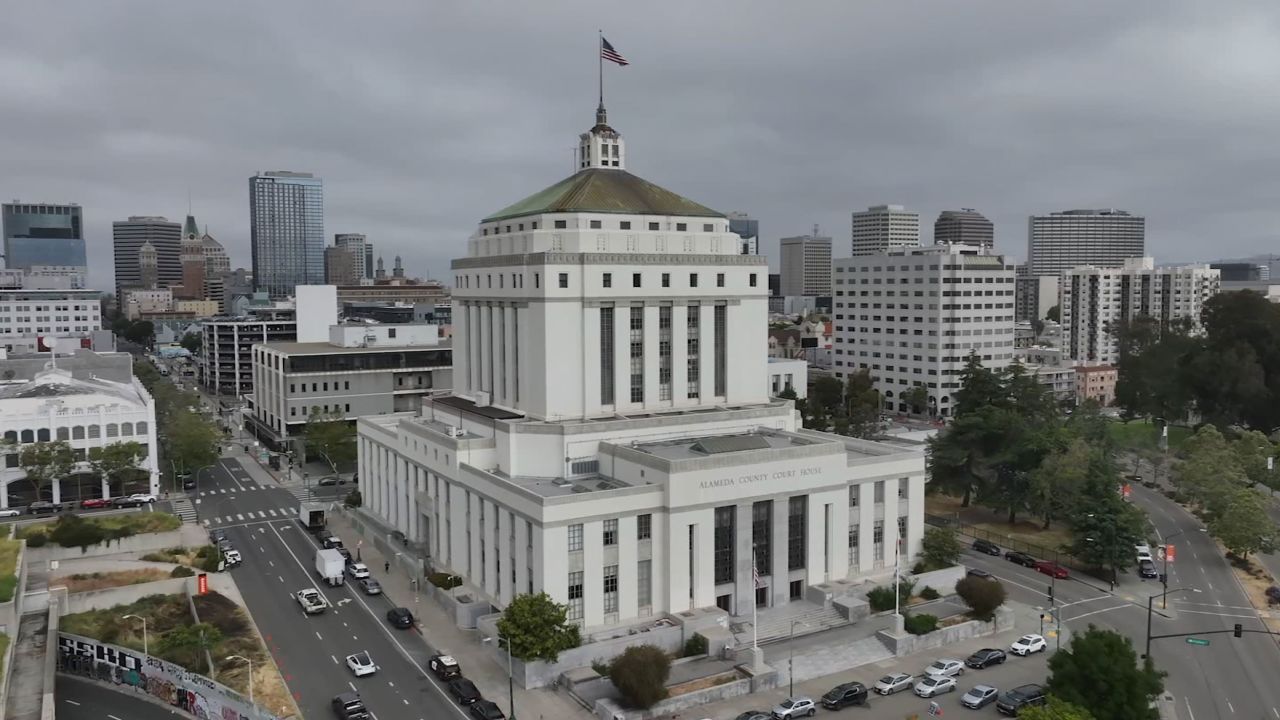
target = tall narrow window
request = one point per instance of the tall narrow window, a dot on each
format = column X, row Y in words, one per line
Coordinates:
column 637, row 353
column 762, row 536
column 664, row 352
column 724, row 538
column 644, row 583
column 611, row 531
column 575, row 538
column 611, row 588
column 692, row 327
column 575, row 596
column 797, row 546
column 722, row 355
column 606, row 356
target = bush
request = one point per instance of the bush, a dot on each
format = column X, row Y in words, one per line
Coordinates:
column 354, row 499
column 206, row 551
column 940, row 548
column 929, row 593
column 982, row 596
column 444, row 581
column 209, row 563
column 881, row 598
column 640, row 674
column 182, row 571
column 73, row 531
column 921, row 624
column 695, row 645
column 601, row 667
column 37, row 539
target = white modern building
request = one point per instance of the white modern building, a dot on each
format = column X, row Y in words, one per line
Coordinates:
column 883, row 228
column 914, row 315
column 788, row 374
column 1095, row 299
column 609, row 439
column 86, row 413
column 1060, row 241
column 28, row 316
column 806, row 265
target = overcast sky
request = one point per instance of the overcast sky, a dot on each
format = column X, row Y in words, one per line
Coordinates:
column 424, row 116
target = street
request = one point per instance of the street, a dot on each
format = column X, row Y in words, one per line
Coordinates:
column 310, row 650
column 80, row 699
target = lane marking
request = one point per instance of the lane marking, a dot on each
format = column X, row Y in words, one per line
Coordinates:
column 318, row 636
column 113, row 717
column 1230, row 706
column 1202, row 612
column 335, row 659
column 1096, row 612
column 1218, row 605
column 281, row 578
column 73, row 702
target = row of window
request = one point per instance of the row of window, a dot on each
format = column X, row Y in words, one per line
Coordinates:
column 77, row 432
column 902, row 268
column 609, row 589
column 644, row 531
column 346, row 385
column 305, row 410
column 593, row 225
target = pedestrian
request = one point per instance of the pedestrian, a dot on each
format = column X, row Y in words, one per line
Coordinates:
column 386, row 566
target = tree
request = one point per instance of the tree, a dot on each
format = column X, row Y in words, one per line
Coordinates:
column 827, row 393
column 917, row 398
column 1243, row 525
column 1055, row 709
column 140, row 332
column 192, row 341
column 1099, row 672
column 331, row 437
column 1106, row 528
column 192, row 441
column 1057, row 483
column 940, row 548
column 116, row 458
column 1054, row 314
column 862, row 404
column 640, row 674
column 45, row 462
column 982, row 596
column 536, row 628
column 187, row 644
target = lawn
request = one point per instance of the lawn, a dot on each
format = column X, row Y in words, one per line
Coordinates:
column 8, row 568
column 994, row 526
column 1144, row 435
column 137, row 522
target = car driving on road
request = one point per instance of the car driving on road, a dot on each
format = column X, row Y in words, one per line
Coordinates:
column 986, row 546
column 370, row 586
column 361, row 664
column 1020, row 558
column 1052, row 569
column 312, row 602
column 143, row 497
column 358, row 571
column 10, row 512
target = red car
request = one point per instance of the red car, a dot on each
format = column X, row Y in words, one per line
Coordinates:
column 1053, row 569
column 95, row 503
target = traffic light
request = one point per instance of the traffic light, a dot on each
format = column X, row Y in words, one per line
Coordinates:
column 1239, row 630
column 1049, row 593
column 1164, row 579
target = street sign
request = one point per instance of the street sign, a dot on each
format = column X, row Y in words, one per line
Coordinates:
column 1169, row 553
column 1197, row 641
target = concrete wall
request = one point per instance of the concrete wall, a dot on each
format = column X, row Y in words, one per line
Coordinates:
column 125, row 594
column 143, row 543
column 607, row 709
column 906, row 643
column 11, row 611
column 944, row 580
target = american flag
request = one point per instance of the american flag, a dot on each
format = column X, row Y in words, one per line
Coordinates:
column 608, row 53
column 755, row 571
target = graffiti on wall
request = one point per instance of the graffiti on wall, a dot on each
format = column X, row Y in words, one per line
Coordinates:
column 172, row 684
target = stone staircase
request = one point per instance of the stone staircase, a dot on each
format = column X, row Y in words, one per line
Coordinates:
column 776, row 625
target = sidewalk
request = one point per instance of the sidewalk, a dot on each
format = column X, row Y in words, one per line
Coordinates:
column 442, row 635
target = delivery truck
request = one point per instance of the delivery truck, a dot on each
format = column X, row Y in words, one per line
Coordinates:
column 311, row 515
column 330, row 566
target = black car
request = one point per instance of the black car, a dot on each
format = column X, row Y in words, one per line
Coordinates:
column 755, row 715
column 1020, row 558
column 1147, row 569
column 985, row 657
column 463, row 690
column 486, row 710
column 349, row 706
column 1022, row 696
column 979, row 573
column 850, row 693
column 40, row 507
column 345, row 553
column 444, row 667
column 986, row 546
column 400, row 617
column 126, row 501
column 217, row 536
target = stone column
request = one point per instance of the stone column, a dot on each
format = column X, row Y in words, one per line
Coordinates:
column 474, row 333
column 486, row 348
column 679, row 353
column 780, row 591
column 744, row 588
column 461, row 359
column 509, row 355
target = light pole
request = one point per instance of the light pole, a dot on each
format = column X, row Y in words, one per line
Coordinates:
column 791, row 661
column 144, row 630
column 1150, row 608
column 250, row 662
column 511, row 689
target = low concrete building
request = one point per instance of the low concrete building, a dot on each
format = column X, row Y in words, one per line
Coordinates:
column 1097, row 383
column 788, row 374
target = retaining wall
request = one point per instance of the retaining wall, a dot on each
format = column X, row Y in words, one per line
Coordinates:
column 905, row 643
column 608, row 709
column 146, row 542
column 944, row 580
column 11, row 612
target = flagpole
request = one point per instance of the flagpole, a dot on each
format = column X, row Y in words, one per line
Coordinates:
column 600, row 62
column 755, row 606
column 896, row 575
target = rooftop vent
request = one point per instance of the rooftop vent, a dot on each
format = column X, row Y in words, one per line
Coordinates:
column 731, row 443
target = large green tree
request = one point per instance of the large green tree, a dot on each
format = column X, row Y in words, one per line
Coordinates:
column 1055, row 709
column 191, row 440
column 862, row 404
column 330, row 437
column 537, row 628
column 1099, row 671
column 114, row 459
column 192, row 341
column 45, row 462
column 1243, row 525
column 940, row 547
column 1105, row 529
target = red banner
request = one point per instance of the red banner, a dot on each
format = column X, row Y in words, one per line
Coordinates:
column 202, row 583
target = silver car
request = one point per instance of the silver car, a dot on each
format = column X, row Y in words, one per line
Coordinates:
column 890, row 684
column 794, row 708
column 935, row 685
column 945, row 667
column 979, row 697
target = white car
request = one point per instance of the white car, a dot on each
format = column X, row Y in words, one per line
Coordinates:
column 794, row 707
column 1028, row 644
column 979, row 697
column 935, row 685
column 361, row 664
column 10, row 512
column 1143, row 552
column 232, row 558
column 358, row 571
column 945, row 667
column 143, row 497
column 890, row 684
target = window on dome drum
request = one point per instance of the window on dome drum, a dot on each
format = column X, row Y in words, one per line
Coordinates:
column 596, row 225
column 722, row 353
column 644, row 527
column 706, row 227
column 637, row 353
column 664, row 352
column 693, row 280
column 635, row 279
column 562, row 224
column 611, row 532
column 796, row 545
column 666, row 280
column 608, row 280
column 625, row 225
column 682, row 227
column 719, row 279
column 606, row 356
column 692, row 327
column 564, row 280
column 653, row 226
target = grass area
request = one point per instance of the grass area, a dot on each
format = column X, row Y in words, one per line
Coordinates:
column 137, row 522
column 996, row 527
column 84, row 582
column 167, row 612
column 178, row 555
column 8, row 568
column 4, row 647
column 1145, row 435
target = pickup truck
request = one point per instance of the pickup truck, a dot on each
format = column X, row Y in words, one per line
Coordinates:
column 312, row 602
column 349, row 706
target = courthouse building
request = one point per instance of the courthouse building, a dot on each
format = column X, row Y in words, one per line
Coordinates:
column 608, row 439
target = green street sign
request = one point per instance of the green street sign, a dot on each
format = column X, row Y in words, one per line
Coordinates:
column 1197, row 641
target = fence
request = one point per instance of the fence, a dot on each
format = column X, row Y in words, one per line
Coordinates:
column 1040, row 552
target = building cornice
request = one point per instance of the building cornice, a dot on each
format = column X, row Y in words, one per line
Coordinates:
column 563, row 258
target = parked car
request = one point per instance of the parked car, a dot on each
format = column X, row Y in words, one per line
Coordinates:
column 217, row 536
column 400, row 617
column 463, row 690
column 485, row 710
column 946, row 667
column 329, row 480
column 143, row 497
column 979, row 697
column 979, row 573
column 754, row 715
column 329, row 541
column 10, row 512
column 890, row 684
column 323, row 536
column 361, row 664
column 1022, row 696
column 358, row 571
column 1020, row 558
column 95, row 503
column 444, row 667
column 1143, row 552
column 370, row 586
column 793, row 708
column 346, row 555
column 1147, row 569
column 231, row 558
column 41, row 507
column 986, row 657
column 1028, row 644
column 934, row 685
column 986, row 546
column 843, row 695
column 1052, row 569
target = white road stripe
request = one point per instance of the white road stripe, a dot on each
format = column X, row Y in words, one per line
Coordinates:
column 1096, row 612
column 239, row 517
column 273, row 513
column 73, row 702
column 1201, row 612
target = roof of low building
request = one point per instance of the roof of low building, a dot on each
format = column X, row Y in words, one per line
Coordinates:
column 605, row 190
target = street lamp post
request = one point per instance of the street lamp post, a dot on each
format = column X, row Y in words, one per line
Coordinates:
column 1150, row 609
column 791, row 661
column 250, row 663
column 511, row 689
column 144, row 630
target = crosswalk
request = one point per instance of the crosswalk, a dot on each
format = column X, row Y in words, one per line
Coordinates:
column 255, row 516
column 183, row 508
column 248, row 487
column 304, row 494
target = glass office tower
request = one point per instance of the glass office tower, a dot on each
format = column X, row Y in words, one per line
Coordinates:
column 43, row 234
column 286, row 231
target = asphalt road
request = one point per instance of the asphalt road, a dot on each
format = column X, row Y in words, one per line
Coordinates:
column 1230, row 677
column 83, row 700
column 311, row 650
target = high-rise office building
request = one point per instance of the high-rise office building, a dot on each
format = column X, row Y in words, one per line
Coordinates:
column 128, row 237
column 1060, row 241
column 340, row 266
column 1034, row 295
column 746, row 228
column 361, row 253
column 286, row 231
column 963, row 227
column 806, row 265
column 43, row 234
column 881, row 228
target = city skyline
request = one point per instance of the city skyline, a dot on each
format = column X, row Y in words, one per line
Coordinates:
column 410, row 169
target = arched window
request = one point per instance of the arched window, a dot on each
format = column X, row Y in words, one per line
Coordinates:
column 42, row 435
column 113, row 430
column 126, row 428
column 11, row 436
column 95, row 431
column 142, row 428
column 77, row 432
column 28, row 436
column 64, row 433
